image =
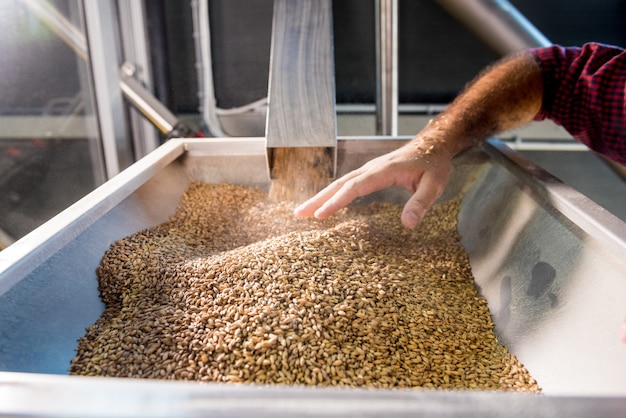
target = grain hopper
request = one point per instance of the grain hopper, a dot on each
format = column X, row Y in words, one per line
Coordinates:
column 549, row 261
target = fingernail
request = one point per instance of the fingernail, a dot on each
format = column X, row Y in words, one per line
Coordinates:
column 298, row 210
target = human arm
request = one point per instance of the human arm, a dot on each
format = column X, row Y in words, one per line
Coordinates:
column 504, row 96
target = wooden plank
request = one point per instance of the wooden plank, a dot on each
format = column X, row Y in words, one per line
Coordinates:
column 301, row 110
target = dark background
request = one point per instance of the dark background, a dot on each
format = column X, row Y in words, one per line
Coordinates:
column 437, row 55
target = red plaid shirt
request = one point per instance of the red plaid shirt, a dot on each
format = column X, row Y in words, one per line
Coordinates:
column 585, row 92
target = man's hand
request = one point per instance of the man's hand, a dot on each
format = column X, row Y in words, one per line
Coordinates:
column 420, row 167
column 505, row 96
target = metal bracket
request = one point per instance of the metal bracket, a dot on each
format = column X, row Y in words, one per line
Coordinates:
column 150, row 106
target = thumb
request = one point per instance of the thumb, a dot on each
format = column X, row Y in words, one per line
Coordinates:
column 414, row 211
column 427, row 192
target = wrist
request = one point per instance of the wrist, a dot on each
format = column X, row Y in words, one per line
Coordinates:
column 440, row 138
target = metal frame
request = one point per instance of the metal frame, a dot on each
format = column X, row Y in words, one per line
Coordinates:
column 137, row 51
column 387, row 67
column 105, row 59
column 96, row 397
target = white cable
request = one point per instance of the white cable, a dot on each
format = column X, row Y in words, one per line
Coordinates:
column 250, row 107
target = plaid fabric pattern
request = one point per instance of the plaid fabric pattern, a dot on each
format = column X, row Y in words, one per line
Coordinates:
column 585, row 92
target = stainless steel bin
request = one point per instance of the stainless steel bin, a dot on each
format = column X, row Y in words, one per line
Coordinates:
column 549, row 261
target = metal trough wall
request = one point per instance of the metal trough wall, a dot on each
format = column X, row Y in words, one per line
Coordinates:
column 548, row 260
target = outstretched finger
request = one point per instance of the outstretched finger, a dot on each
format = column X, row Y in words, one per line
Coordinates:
column 309, row 207
column 358, row 186
column 342, row 192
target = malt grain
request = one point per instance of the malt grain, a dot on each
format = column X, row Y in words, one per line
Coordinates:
column 234, row 288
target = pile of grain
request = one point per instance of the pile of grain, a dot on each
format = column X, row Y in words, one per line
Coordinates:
column 235, row 289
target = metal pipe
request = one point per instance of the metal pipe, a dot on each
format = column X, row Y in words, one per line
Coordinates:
column 102, row 34
column 204, row 66
column 134, row 37
column 147, row 104
column 387, row 67
column 497, row 23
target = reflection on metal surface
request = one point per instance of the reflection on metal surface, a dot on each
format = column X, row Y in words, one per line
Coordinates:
column 545, row 256
column 150, row 107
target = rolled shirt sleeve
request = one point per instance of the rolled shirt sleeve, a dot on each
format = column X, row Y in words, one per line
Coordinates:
column 585, row 92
